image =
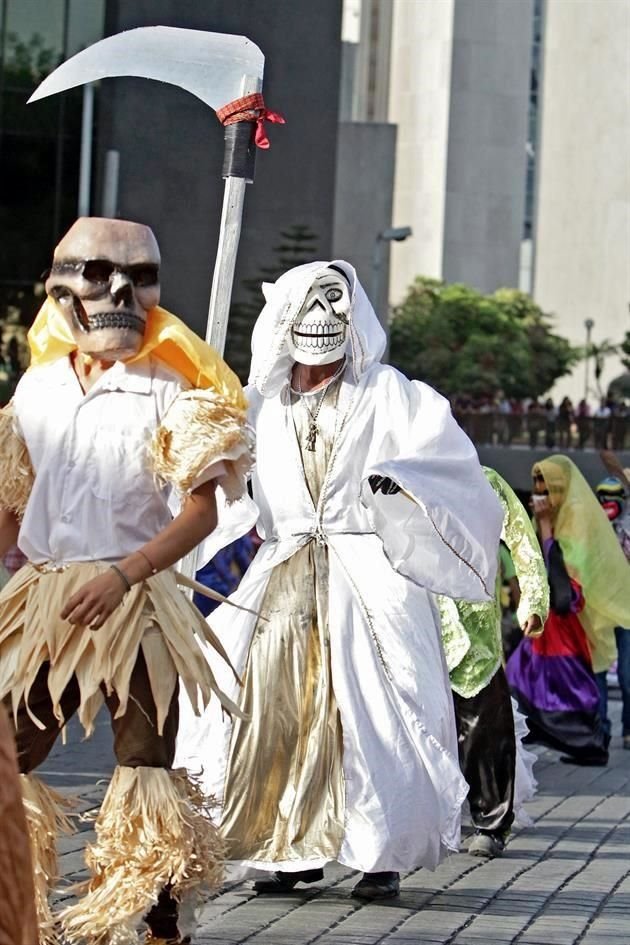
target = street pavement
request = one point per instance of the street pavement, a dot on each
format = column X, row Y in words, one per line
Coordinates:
column 564, row 881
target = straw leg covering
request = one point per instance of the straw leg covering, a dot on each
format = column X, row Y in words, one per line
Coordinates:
column 153, row 831
column 45, row 820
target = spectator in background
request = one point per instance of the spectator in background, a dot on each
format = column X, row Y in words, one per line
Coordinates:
column 563, row 423
column 583, row 421
column 618, row 424
column 551, row 415
column 601, row 424
column 224, row 572
column 504, row 410
column 535, row 422
column 612, row 494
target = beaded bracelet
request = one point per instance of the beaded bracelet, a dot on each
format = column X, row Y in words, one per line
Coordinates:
column 123, row 577
column 148, row 561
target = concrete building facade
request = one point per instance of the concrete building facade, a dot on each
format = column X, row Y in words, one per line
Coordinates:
column 582, row 226
column 459, row 91
column 487, row 134
column 419, row 101
column 366, row 150
column 513, row 152
column 363, row 205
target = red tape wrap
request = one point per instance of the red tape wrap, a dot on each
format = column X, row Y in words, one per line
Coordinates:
column 250, row 108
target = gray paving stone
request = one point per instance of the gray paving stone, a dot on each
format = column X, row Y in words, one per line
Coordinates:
column 565, row 881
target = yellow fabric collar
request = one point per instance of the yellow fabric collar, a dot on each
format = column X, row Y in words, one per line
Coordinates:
column 166, row 337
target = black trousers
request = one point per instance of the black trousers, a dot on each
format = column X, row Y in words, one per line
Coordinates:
column 487, row 753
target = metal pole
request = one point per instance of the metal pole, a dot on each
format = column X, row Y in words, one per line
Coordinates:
column 85, row 170
column 588, row 324
column 223, row 277
column 110, row 184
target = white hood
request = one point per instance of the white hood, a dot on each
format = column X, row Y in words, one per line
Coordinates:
column 271, row 361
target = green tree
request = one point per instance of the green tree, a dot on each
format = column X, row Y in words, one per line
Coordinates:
column 298, row 244
column 463, row 342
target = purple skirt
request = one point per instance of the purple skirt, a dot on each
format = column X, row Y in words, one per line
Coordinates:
column 558, row 694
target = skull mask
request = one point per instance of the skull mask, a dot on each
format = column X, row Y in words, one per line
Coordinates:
column 105, row 278
column 319, row 333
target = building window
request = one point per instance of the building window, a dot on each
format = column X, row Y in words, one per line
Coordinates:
column 39, row 146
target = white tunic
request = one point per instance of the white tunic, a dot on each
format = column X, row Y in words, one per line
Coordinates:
column 95, row 496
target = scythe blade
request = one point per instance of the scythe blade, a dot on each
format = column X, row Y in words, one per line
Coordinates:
column 211, row 66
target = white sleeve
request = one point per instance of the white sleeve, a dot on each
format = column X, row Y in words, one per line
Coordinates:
column 442, row 529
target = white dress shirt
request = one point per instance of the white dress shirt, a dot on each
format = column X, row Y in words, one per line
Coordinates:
column 95, row 496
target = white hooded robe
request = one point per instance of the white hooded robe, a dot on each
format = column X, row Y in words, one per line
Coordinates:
column 402, row 786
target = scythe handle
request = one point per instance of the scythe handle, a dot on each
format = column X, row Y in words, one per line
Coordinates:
column 239, row 159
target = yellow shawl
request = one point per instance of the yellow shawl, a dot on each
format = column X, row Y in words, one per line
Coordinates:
column 166, row 337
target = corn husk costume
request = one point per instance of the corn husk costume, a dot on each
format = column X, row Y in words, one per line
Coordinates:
column 494, row 761
column 165, row 417
column 351, row 752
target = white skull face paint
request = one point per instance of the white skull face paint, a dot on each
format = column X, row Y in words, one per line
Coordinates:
column 319, row 333
column 105, row 278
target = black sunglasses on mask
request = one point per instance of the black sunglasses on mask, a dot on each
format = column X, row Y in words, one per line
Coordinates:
column 100, row 271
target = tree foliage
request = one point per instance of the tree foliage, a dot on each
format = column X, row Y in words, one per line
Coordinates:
column 463, row 342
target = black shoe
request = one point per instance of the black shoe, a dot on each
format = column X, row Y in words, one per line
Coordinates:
column 377, row 886
column 281, row 882
column 150, row 939
column 586, row 761
column 162, row 920
column 487, row 843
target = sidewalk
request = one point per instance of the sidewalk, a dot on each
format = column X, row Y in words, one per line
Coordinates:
column 565, row 881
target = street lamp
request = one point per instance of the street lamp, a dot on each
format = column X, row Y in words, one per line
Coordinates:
column 397, row 233
column 588, row 324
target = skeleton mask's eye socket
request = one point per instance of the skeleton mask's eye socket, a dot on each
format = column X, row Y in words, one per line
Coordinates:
column 98, row 271
column 144, row 275
column 333, row 295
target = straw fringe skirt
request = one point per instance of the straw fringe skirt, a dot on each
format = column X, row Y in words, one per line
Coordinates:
column 155, row 618
column 154, row 828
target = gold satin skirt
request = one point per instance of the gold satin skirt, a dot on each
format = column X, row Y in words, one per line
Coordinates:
column 284, row 791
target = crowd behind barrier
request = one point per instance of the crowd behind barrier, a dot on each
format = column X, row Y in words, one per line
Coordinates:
column 535, row 423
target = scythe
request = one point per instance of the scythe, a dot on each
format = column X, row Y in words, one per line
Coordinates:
column 225, row 72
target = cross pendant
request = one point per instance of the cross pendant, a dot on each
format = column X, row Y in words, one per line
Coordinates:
column 311, row 436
